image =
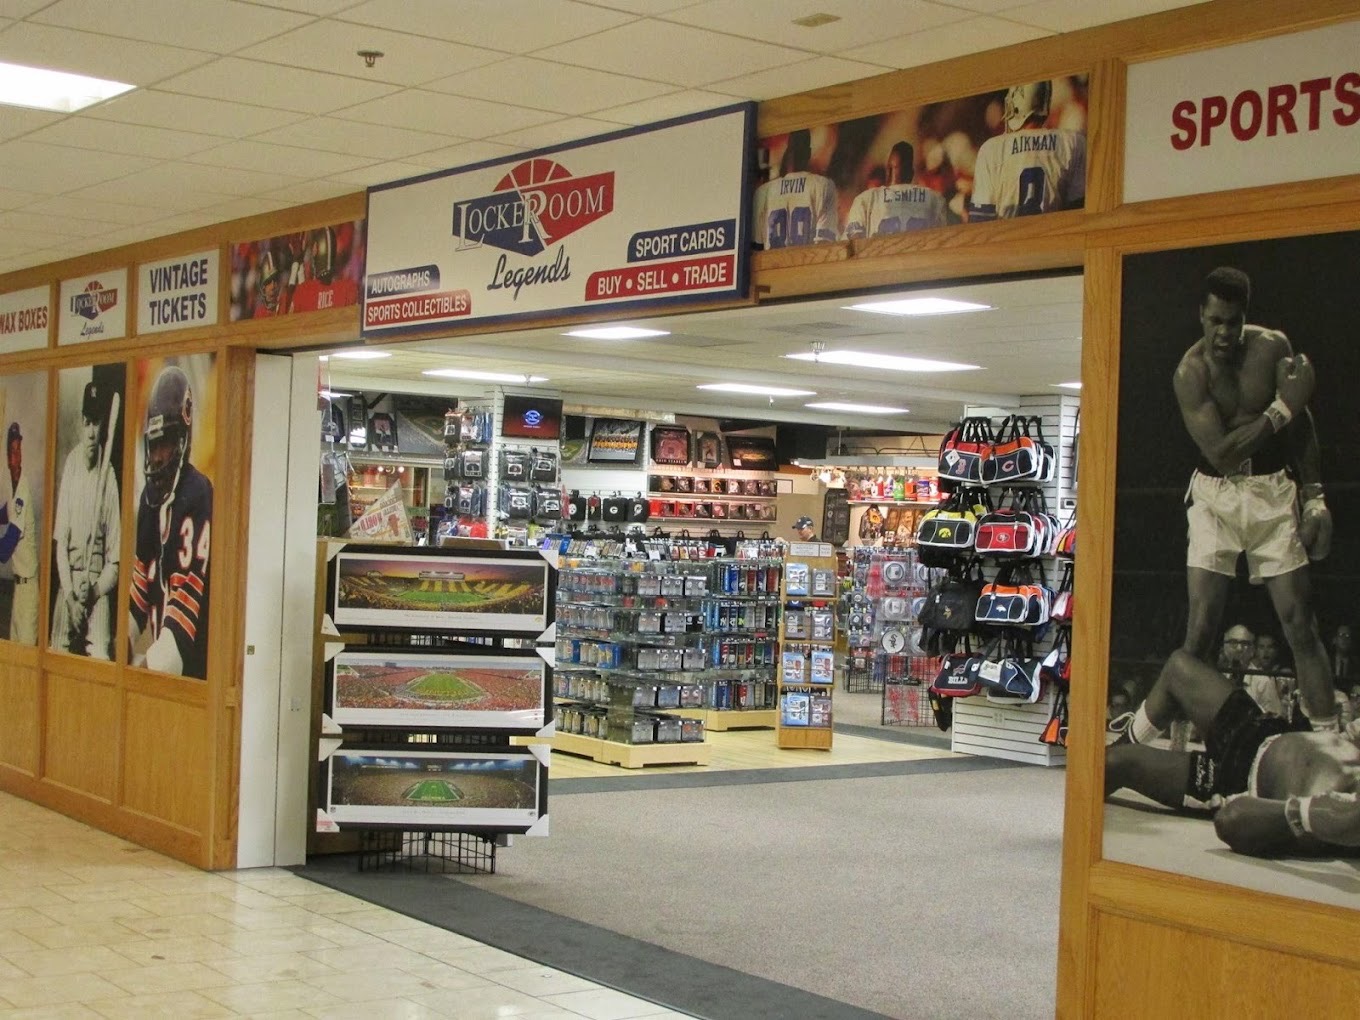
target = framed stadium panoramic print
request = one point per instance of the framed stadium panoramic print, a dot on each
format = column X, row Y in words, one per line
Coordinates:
column 387, row 786
column 401, row 687
column 438, row 591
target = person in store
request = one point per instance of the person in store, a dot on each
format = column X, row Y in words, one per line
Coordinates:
column 19, row 542
column 1272, row 790
column 897, row 204
column 804, row 529
column 1257, row 491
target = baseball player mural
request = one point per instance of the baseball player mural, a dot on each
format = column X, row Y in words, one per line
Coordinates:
column 23, row 412
column 170, row 593
column 86, row 530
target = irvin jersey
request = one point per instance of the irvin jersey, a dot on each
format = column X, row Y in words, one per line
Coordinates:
column 1027, row 172
column 798, row 208
column 894, row 208
column 170, row 571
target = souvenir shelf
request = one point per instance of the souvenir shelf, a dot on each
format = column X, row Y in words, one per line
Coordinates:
column 807, row 638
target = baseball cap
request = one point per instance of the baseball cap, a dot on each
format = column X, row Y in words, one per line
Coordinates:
column 13, row 433
column 89, row 402
column 803, row 522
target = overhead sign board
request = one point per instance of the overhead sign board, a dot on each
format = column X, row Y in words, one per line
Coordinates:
column 1264, row 112
column 620, row 220
column 178, row 293
column 24, row 317
column 93, row 308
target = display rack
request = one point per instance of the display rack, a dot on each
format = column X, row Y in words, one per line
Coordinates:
column 807, row 638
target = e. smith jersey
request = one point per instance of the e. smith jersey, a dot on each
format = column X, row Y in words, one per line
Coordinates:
column 798, row 208
column 1027, row 172
column 894, row 208
column 170, row 587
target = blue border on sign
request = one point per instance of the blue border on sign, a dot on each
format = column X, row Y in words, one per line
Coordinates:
column 741, row 284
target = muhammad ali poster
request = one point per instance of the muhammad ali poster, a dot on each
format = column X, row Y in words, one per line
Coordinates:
column 23, row 419
column 174, row 415
column 1231, row 750
column 86, row 523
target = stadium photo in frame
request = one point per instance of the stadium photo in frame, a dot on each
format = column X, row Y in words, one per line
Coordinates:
column 412, row 591
column 506, row 790
column 615, row 441
column 400, row 687
column 751, row 453
column 671, row 445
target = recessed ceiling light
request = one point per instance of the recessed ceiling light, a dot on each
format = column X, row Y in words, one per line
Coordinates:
column 892, row 362
column 763, row 391
column 1068, row 385
column 362, row 355
column 919, row 306
column 41, row 89
column 835, row 405
column 617, row 333
column 468, row 373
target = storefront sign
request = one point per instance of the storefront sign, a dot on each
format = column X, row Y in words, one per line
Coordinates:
column 24, row 315
column 1264, row 112
column 622, row 220
column 93, row 308
column 178, row 293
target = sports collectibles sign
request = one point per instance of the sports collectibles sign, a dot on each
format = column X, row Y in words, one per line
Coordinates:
column 24, row 315
column 178, row 293
column 93, row 308
column 1264, row 112
column 621, row 220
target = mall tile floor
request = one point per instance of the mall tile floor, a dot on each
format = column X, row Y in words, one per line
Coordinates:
column 93, row 926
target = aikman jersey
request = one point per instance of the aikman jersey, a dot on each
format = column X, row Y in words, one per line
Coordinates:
column 170, row 588
column 1027, row 172
column 893, row 209
column 798, row 208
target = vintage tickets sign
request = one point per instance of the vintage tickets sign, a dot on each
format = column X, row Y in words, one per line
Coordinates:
column 178, row 293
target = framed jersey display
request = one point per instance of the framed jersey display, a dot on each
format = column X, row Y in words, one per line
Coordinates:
column 174, row 410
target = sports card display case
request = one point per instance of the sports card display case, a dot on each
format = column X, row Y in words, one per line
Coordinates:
column 807, row 642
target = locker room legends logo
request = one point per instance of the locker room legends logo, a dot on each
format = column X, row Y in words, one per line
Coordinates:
column 91, row 304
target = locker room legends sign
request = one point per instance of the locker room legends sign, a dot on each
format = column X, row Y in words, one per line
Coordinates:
column 24, row 315
column 624, row 220
column 93, row 308
column 1265, row 112
column 178, row 293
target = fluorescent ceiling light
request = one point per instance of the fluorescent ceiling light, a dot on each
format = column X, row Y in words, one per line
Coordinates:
column 617, row 333
column 332, row 394
column 763, row 391
column 362, row 354
column 834, row 405
column 919, row 306
column 1068, row 385
column 468, row 373
column 41, row 89
column 892, row 362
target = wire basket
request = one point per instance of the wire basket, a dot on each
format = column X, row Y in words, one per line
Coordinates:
column 906, row 692
column 442, row 853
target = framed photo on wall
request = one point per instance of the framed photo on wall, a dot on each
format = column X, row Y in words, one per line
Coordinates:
column 615, row 441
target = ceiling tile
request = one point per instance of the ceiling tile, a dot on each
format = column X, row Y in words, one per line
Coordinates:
column 18, row 121
column 13, row 242
column 212, row 116
column 380, row 141
column 517, row 27
column 53, row 169
column 464, row 154
column 55, row 226
column 561, row 88
column 264, row 157
column 661, row 51
column 11, row 199
column 276, row 86
column 646, row 6
column 161, row 186
column 228, row 181
column 569, row 129
column 310, row 191
column 676, row 104
column 972, row 36
column 103, row 56
column 220, row 26
column 21, row 8
column 458, row 116
column 380, row 173
column 238, row 208
column 321, row 8
column 861, row 21
column 1070, row 15
column 332, row 45
column 95, row 210
column 982, row 6
column 802, row 76
column 84, row 132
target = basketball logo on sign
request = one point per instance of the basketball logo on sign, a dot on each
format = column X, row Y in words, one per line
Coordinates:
column 535, row 205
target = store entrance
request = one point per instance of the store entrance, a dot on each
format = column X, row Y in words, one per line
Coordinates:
column 788, row 769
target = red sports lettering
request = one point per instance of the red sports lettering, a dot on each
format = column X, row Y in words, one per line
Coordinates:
column 1183, row 118
column 1249, row 102
column 1213, row 112
column 1281, row 100
column 1348, row 95
column 1313, row 89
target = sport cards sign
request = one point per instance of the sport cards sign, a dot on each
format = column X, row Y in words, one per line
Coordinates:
column 24, row 316
column 623, row 220
column 178, row 293
column 93, row 308
column 1264, row 112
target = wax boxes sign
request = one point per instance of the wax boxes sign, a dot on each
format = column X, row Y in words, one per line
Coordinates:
column 178, row 293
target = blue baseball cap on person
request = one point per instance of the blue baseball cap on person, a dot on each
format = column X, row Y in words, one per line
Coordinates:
column 803, row 522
